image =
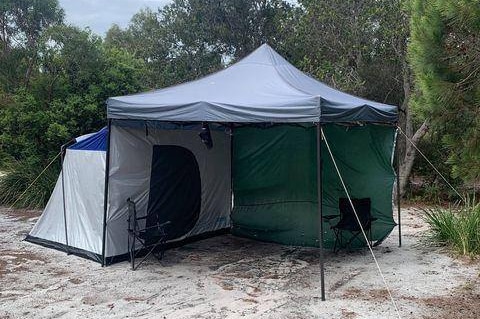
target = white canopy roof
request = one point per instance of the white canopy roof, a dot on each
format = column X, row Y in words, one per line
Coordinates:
column 262, row 87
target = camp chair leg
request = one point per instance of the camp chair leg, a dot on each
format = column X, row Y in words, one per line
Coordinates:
column 359, row 236
column 338, row 241
column 136, row 233
column 150, row 252
column 129, row 250
column 132, row 254
column 355, row 218
column 355, row 236
column 160, row 254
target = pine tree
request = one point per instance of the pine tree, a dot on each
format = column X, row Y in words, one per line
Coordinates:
column 445, row 56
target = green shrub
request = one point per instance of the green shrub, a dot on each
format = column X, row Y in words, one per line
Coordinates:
column 19, row 175
column 457, row 227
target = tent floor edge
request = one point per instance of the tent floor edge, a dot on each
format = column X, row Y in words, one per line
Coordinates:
column 123, row 257
column 62, row 247
column 199, row 237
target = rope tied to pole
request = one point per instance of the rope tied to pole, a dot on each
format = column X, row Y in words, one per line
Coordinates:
column 361, row 227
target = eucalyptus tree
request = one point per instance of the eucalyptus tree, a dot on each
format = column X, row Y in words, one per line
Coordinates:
column 21, row 26
column 190, row 38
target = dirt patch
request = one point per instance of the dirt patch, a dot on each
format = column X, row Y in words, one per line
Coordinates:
column 346, row 314
column 59, row 272
column 75, row 281
column 344, row 280
column 250, row 300
column 463, row 303
column 260, row 269
column 21, row 257
column 13, row 261
column 134, row 299
column 22, row 214
column 366, row 294
column 3, row 268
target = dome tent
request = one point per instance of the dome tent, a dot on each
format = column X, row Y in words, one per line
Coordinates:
column 264, row 116
column 72, row 218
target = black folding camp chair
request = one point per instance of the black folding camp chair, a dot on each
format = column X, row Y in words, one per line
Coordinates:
column 348, row 231
column 151, row 238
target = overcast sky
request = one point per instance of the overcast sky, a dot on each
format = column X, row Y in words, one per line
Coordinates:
column 99, row 15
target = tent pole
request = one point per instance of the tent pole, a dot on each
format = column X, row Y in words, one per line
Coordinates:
column 398, row 195
column 231, row 173
column 105, row 194
column 62, row 158
column 320, row 209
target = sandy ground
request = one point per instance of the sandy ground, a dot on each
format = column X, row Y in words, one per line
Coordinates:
column 229, row 277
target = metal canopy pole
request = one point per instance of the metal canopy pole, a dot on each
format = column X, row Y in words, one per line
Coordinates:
column 398, row 194
column 320, row 210
column 232, row 195
column 105, row 195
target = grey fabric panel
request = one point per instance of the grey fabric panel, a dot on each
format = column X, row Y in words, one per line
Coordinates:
column 263, row 87
column 84, row 196
column 50, row 226
column 84, row 188
column 130, row 169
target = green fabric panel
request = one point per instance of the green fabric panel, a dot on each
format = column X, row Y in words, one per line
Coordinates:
column 274, row 180
column 363, row 155
column 275, row 184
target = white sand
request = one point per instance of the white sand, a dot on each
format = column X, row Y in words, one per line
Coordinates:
column 227, row 277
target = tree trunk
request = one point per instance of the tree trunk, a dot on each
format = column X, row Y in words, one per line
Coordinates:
column 405, row 151
column 409, row 158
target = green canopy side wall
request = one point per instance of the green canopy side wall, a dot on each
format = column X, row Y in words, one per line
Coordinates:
column 274, row 180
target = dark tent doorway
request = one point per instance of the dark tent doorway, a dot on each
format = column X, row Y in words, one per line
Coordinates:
column 175, row 190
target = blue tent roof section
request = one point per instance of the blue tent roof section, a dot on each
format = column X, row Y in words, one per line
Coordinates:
column 95, row 142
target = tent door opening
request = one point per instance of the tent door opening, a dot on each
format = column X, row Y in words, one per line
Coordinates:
column 175, row 191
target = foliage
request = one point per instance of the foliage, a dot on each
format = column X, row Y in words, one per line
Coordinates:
column 55, row 78
column 362, row 52
column 67, row 97
column 356, row 46
column 21, row 26
column 19, row 175
column 428, row 187
column 445, row 56
column 188, row 39
column 457, row 227
column 71, row 75
column 167, row 45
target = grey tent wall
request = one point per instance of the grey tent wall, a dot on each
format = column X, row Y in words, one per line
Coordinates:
column 134, row 148
column 105, row 199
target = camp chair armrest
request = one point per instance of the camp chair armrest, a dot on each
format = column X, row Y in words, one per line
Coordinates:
column 154, row 226
column 164, row 224
column 329, row 217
